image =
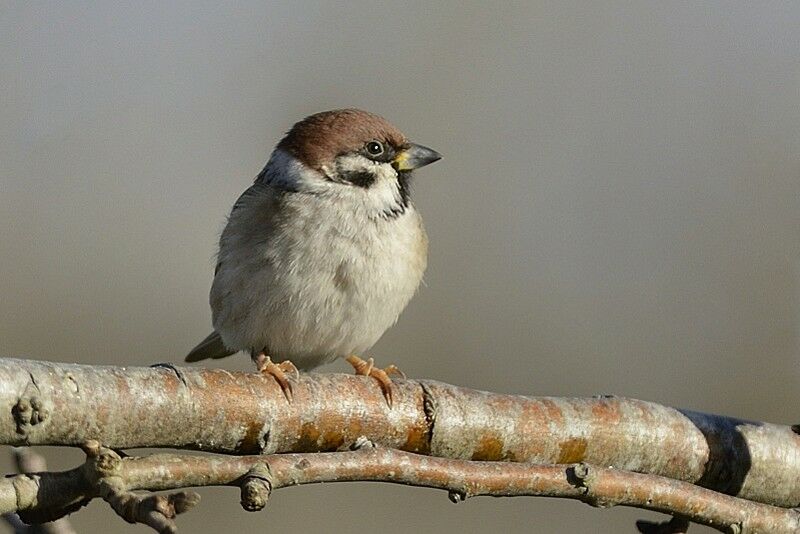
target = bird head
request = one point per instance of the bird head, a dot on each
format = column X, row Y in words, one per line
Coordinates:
column 350, row 155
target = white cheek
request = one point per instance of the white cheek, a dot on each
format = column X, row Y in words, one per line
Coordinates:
column 381, row 196
column 351, row 163
column 386, row 191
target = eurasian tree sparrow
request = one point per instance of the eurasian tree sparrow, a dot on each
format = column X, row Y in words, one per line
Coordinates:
column 322, row 253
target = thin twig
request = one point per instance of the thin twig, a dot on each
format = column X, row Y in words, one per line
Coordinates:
column 106, row 473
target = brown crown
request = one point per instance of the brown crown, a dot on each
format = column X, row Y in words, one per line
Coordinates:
column 319, row 138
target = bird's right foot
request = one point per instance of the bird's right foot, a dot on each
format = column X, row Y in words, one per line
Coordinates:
column 367, row 368
column 278, row 371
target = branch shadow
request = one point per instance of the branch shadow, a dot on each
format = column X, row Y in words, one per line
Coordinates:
column 729, row 458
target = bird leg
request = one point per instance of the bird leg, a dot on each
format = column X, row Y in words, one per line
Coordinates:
column 277, row 371
column 367, row 368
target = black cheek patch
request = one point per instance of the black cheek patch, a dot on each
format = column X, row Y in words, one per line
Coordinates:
column 359, row 178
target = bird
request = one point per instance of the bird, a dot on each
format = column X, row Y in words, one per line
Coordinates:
column 324, row 250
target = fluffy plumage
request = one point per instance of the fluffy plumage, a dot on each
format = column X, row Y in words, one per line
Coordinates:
column 322, row 253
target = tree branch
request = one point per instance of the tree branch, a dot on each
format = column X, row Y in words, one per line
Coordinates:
column 28, row 461
column 105, row 474
column 456, row 428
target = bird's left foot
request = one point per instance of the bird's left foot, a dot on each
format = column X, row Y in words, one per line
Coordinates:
column 278, row 371
column 367, row 368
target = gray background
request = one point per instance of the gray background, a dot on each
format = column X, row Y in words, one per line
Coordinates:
column 617, row 210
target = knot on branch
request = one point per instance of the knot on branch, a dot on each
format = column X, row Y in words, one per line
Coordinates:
column 582, row 477
column 256, row 487
column 30, row 410
column 101, row 462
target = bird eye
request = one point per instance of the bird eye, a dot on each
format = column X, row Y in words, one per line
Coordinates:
column 374, row 148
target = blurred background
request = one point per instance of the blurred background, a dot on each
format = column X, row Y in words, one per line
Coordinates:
column 618, row 210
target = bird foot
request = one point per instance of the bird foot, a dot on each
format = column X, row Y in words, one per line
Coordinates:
column 367, row 368
column 278, row 371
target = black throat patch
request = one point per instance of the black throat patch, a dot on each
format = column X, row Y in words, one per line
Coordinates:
column 404, row 188
column 404, row 181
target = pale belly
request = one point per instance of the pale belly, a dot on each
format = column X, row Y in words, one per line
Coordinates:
column 323, row 294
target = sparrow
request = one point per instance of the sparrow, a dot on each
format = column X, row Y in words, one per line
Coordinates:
column 323, row 252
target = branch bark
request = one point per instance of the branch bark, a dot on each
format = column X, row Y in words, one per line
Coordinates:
column 44, row 403
column 105, row 474
column 28, row 461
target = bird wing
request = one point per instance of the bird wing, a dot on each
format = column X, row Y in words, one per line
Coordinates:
column 257, row 191
column 252, row 221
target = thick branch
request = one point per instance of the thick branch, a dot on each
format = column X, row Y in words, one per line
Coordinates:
column 246, row 413
column 106, row 473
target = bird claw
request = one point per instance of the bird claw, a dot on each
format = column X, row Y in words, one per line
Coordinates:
column 392, row 369
column 367, row 368
column 278, row 371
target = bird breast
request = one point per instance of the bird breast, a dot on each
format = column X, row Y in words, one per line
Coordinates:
column 320, row 281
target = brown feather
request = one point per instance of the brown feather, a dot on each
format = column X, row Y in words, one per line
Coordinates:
column 319, row 138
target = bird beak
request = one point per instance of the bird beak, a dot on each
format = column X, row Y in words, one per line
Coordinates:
column 414, row 156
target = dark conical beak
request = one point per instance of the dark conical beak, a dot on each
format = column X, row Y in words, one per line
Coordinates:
column 414, row 156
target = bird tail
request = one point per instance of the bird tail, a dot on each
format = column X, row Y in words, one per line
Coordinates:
column 210, row 347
